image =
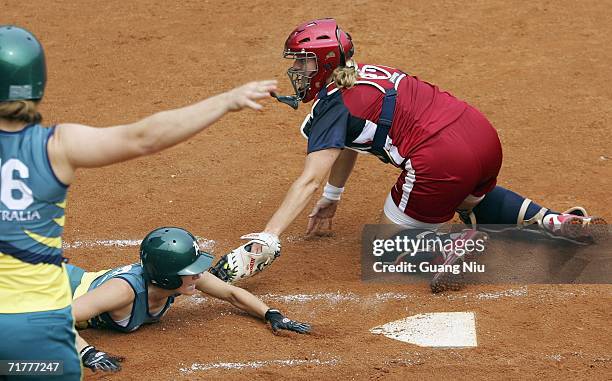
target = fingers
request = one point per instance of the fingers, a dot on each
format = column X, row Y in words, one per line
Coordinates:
column 298, row 327
column 318, row 225
column 252, row 104
column 263, row 89
column 106, row 367
column 293, row 326
column 302, row 327
column 322, row 211
column 314, row 220
column 110, row 366
column 315, row 211
column 269, row 84
column 246, row 95
column 311, row 225
column 326, row 221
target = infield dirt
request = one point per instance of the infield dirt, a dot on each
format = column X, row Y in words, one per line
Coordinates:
column 540, row 71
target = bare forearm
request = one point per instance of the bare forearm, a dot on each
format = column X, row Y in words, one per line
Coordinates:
column 295, row 201
column 72, row 146
column 167, row 128
column 342, row 168
column 248, row 302
column 80, row 342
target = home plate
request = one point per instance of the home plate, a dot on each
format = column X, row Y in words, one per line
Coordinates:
column 440, row 330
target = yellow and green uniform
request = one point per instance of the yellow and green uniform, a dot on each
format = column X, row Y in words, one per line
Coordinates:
column 34, row 285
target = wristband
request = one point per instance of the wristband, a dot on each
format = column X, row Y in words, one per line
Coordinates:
column 270, row 312
column 85, row 351
column 332, row 192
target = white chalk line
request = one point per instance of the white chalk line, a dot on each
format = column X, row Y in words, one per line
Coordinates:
column 205, row 244
column 101, row 243
column 337, row 297
column 329, row 297
column 196, row 367
column 417, row 359
column 332, row 298
column 510, row 293
column 350, row 297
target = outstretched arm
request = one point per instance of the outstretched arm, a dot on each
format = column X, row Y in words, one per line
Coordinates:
column 251, row 258
column 248, row 302
column 74, row 146
column 316, row 167
column 211, row 285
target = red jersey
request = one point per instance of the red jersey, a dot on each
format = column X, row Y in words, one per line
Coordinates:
column 348, row 117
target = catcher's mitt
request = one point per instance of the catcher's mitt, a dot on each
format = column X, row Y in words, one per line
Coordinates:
column 241, row 263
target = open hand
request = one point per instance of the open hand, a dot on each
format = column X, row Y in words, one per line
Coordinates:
column 278, row 321
column 321, row 217
column 246, row 95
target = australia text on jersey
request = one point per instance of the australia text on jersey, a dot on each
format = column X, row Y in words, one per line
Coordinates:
column 19, row 215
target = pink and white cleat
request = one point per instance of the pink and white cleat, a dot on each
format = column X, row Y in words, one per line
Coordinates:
column 575, row 225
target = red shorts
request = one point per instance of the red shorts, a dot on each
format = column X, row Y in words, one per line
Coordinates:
column 461, row 160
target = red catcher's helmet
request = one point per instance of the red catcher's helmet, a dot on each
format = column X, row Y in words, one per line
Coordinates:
column 324, row 41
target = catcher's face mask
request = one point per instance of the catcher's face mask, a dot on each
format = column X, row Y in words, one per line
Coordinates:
column 317, row 48
column 304, row 68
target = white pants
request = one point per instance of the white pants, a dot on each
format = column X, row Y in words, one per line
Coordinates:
column 394, row 214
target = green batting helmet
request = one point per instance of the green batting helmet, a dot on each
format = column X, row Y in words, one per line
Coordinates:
column 169, row 252
column 23, row 72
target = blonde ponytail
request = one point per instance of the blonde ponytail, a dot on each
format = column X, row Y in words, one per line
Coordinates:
column 345, row 76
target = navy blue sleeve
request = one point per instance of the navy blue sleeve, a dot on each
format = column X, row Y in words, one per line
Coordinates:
column 328, row 126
